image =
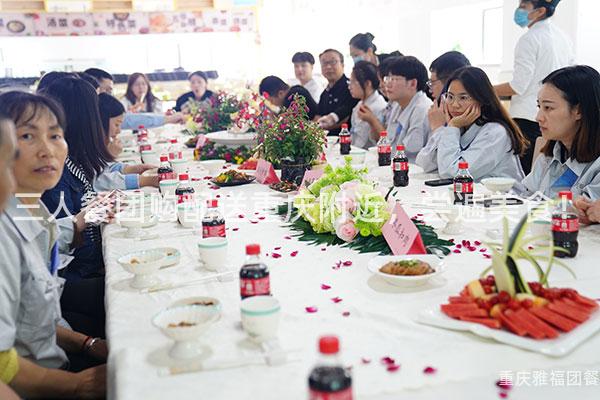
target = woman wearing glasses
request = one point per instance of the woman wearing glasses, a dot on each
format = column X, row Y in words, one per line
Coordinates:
column 478, row 131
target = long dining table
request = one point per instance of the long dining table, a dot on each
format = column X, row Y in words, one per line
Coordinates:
column 374, row 320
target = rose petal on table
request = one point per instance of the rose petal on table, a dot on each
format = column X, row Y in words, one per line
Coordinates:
column 487, row 256
column 429, row 370
column 293, row 254
column 459, row 246
column 277, row 248
column 287, row 237
column 241, row 216
column 477, row 243
column 336, row 300
column 504, row 385
column 323, row 248
column 503, row 395
column 482, row 250
column 346, row 314
column 325, row 287
column 254, row 222
column 235, row 229
column 456, row 251
column 261, row 218
column 388, row 361
column 393, row 367
column 311, row 310
column 347, row 263
column 276, row 255
column 365, row 360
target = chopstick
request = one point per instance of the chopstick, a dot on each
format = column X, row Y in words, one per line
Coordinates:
column 169, row 286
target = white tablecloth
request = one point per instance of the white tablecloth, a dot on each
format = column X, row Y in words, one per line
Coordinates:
column 380, row 323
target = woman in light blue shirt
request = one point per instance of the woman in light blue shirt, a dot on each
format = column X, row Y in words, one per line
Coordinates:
column 479, row 131
column 569, row 118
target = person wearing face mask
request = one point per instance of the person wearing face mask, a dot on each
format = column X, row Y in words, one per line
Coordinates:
column 303, row 70
column 542, row 49
column 362, row 48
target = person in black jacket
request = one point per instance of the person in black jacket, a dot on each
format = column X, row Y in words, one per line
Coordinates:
column 336, row 102
column 281, row 95
column 198, row 84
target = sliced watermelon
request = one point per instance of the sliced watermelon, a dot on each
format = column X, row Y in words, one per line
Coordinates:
column 531, row 329
column 549, row 332
column 554, row 319
column 460, row 300
column 581, row 307
column 586, row 301
column 457, row 311
column 462, row 306
column 511, row 326
column 489, row 322
column 568, row 311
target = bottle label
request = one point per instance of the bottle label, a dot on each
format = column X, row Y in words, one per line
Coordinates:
column 177, row 155
column 384, row 148
column 345, row 139
column 345, row 394
column 213, row 231
column 400, row 166
column 166, row 175
column 463, row 187
column 565, row 225
column 145, row 147
column 255, row 287
column 185, row 198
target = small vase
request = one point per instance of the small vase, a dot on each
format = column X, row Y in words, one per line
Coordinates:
column 293, row 171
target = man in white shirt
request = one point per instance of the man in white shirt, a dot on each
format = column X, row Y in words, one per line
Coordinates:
column 542, row 49
column 304, row 63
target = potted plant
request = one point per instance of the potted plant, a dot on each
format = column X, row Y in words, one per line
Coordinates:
column 292, row 141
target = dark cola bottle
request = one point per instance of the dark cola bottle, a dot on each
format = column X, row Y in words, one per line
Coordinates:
column 254, row 274
column 329, row 380
column 345, row 140
column 463, row 185
column 400, row 167
column 165, row 171
column 384, row 150
column 184, row 191
column 213, row 223
column 565, row 226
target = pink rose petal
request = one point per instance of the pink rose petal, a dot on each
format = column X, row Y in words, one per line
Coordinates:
column 293, row 253
column 254, row 222
column 503, row 395
column 504, row 385
column 477, row 243
column 429, row 370
column 311, row 310
column 393, row 368
column 346, row 314
column 235, row 229
column 256, row 213
column 276, row 255
column 218, row 196
column 451, row 240
column 325, row 287
column 365, row 360
column 482, row 250
column 277, row 248
column 472, row 248
column 456, row 251
column 241, row 216
column 323, row 249
column 287, row 237
column 336, row 300
column 347, row 263
column 261, row 218
column 487, row 256
column 459, row 246
column 388, row 361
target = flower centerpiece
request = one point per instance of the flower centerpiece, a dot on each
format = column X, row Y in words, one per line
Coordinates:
column 252, row 112
column 291, row 140
column 211, row 151
column 212, row 115
column 343, row 207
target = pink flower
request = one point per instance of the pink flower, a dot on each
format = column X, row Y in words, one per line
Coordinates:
column 311, row 310
column 346, row 231
column 325, row 287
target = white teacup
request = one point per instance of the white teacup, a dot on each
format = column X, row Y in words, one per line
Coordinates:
column 150, row 157
column 260, row 317
column 358, row 156
column 213, row 252
column 189, row 215
column 168, row 187
column 542, row 229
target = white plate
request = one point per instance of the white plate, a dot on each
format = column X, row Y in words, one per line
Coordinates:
column 226, row 138
column 406, row 281
column 559, row 347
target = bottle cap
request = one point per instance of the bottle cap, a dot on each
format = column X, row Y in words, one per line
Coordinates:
column 383, row 133
column 173, row 140
column 184, row 177
column 400, row 147
column 253, row 249
column 141, row 127
column 212, row 203
column 463, row 165
column 565, row 195
column 344, row 126
column 329, row 345
column 164, row 158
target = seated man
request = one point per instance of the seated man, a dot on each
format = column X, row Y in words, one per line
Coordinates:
column 304, row 63
column 336, row 102
column 281, row 95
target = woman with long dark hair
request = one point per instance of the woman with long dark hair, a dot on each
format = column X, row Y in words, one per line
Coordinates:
column 479, row 131
column 569, row 118
column 88, row 157
column 139, row 97
column 199, row 91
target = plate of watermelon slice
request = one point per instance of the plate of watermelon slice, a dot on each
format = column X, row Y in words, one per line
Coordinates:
column 551, row 321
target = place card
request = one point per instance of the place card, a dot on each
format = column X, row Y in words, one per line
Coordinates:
column 310, row 176
column 202, row 140
column 265, row 173
column 401, row 234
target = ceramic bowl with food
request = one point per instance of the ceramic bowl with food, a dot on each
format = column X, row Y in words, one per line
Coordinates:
column 406, row 271
column 143, row 265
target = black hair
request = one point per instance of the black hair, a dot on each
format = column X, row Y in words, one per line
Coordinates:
column 109, row 107
column 478, row 86
column 50, row 77
column 22, row 107
column 580, row 87
column 384, row 65
column 271, row 85
column 447, row 63
column 333, row 51
column 384, row 56
column 84, row 133
column 363, row 41
column 549, row 5
column 150, row 97
column 310, row 102
column 3, row 119
column 89, row 79
column 303, row 56
column 199, row 74
column 99, row 74
column 411, row 68
column 364, row 72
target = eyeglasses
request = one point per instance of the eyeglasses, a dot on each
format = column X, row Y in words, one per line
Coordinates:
column 393, row 79
column 430, row 82
column 331, row 63
column 460, row 99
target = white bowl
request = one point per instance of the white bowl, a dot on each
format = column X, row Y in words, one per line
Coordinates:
column 201, row 301
column 213, row 167
column 213, row 253
column 406, row 281
column 260, row 317
column 185, row 337
column 168, row 186
column 500, row 185
column 143, row 264
column 134, row 220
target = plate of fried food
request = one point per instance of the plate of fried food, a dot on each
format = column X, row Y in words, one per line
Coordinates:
column 232, row 177
column 408, row 270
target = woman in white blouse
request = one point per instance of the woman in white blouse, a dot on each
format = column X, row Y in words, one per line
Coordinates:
column 363, row 85
column 478, row 131
column 139, row 97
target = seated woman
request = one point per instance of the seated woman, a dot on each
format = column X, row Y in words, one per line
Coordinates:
column 119, row 175
column 198, row 84
column 32, row 345
column 88, row 158
column 364, row 83
column 569, row 118
column 479, row 131
column 139, row 97
column 280, row 94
